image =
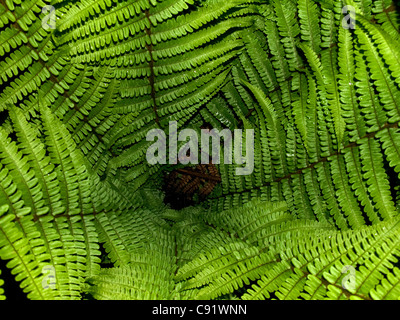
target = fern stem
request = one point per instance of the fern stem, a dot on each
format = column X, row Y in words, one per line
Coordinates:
column 149, row 47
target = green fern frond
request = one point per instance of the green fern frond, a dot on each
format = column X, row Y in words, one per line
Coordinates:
column 146, row 279
column 83, row 214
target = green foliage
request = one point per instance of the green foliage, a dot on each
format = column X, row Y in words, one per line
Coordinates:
column 79, row 200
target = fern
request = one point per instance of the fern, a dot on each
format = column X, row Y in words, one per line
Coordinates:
column 83, row 214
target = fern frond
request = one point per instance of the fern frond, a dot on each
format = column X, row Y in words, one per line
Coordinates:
column 147, row 279
column 14, row 246
column 82, row 211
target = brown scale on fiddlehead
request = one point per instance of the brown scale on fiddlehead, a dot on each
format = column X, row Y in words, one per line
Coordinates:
column 183, row 186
